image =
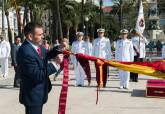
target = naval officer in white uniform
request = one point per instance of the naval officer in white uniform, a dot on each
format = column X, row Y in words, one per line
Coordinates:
column 79, row 46
column 124, row 52
column 4, row 55
column 139, row 46
column 102, row 49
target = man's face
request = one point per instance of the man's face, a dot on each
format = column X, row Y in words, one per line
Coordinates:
column 65, row 45
column 18, row 40
column 124, row 35
column 80, row 37
column 38, row 35
column 101, row 34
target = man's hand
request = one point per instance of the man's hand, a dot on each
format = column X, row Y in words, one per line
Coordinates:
column 58, row 59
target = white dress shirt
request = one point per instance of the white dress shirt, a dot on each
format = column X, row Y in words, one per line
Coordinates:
column 77, row 47
column 102, row 48
column 124, row 50
column 57, row 66
column 140, row 46
column 89, row 48
column 4, row 49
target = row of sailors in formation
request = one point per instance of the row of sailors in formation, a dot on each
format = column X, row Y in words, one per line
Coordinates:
column 126, row 50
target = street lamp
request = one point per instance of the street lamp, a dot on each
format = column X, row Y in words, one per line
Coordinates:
column 82, row 15
column 86, row 28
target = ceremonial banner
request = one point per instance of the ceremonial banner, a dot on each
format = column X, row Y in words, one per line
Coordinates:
column 64, row 90
column 140, row 23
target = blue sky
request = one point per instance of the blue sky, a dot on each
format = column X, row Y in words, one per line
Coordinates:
column 105, row 2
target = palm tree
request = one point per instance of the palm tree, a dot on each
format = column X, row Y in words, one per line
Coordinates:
column 17, row 7
column 68, row 25
column 25, row 17
column 59, row 21
column 71, row 18
column 7, row 7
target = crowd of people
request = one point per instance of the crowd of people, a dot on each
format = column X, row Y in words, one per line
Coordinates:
column 127, row 49
column 32, row 67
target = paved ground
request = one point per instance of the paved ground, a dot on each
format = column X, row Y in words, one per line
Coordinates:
column 81, row 100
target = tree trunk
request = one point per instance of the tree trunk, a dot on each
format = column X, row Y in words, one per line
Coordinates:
column 31, row 16
column 27, row 15
column 19, row 24
column 54, row 26
column 120, row 15
column 59, row 21
column 25, row 18
column 9, row 29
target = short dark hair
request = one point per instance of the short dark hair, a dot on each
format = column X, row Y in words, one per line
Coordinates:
column 17, row 37
column 30, row 27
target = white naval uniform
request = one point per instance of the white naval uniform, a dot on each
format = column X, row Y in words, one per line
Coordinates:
column 124, row 52
column 78, row 47
column 4, row 55
column 163, row 51
column 102, row 48
column 89, row 48
column 140, row 47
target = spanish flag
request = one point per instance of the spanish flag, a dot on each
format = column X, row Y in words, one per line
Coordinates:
column 155, row 69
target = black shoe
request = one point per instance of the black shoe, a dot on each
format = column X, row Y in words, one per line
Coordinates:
column 79, row 85
column 136, row 80
column 104, row 86
column 16, row 86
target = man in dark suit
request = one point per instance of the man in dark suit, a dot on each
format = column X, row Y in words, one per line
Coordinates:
column 14, row 51
column 35, row 69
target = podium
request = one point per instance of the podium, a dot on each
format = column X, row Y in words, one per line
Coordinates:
column 155, row 88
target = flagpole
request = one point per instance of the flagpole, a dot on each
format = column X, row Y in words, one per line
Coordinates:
column 139, row 36
column 140, row 24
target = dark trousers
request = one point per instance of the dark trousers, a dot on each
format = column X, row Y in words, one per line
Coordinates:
column 104, row 69
column 16, row 78
column 33, row 109
column 86, row 66
column 134, row 76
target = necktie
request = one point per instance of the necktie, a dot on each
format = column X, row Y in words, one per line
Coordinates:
column 39, row 52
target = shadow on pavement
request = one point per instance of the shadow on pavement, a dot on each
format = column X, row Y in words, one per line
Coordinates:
column 8, row 87
column 85, row 86
column 116, row 91
column 138, row 93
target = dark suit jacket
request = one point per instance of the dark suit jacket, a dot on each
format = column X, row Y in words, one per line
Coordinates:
column 34, row 71
column 14, row 51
